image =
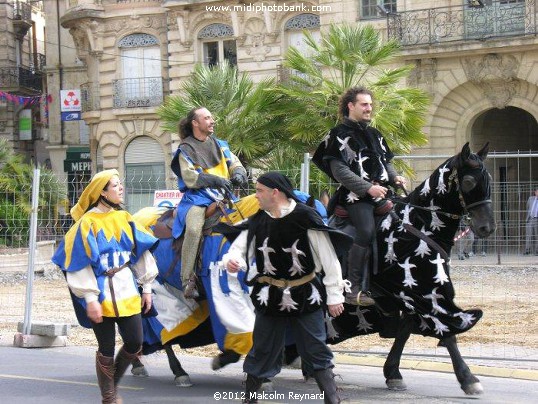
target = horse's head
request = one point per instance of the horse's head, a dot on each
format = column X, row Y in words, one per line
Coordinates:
column 474, row 188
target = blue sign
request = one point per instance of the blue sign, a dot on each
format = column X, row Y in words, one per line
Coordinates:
column 71, row 116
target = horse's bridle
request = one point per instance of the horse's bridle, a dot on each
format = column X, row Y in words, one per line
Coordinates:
column 466, row 207
column 452, row 179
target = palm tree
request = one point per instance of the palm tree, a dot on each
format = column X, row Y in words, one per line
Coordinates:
column 241, row 108
column 346, row 56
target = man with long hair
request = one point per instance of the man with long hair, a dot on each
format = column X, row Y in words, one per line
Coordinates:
column 206, row 171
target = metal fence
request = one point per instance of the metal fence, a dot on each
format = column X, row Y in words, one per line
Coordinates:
column 514, row 177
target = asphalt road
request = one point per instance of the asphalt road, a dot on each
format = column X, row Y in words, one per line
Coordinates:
column 67, row 375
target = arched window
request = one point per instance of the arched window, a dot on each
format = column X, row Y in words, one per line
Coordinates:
column 218, row 44
column 294, row 36
column 294, row 30
column 141, row 79
column 144, row 172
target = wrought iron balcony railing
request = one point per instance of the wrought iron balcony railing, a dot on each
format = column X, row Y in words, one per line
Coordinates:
column 285, row 74
column 17, row 77
column 89, row 94
column 41, row 61
column 22, row 11
column 138, row 93
column 496, row 18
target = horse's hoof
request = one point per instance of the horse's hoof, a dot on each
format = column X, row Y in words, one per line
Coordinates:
column 396, row 384
column 473, row 389
column 215, row 363
column 140, row 371
column 267, row 386
column 183, row 381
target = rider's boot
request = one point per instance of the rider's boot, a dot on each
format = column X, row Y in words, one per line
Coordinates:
column 327, row 385
column 359, row 276
column 104, row 367
column 252, row 385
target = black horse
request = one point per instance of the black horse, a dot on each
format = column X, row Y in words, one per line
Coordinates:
column 411, row 284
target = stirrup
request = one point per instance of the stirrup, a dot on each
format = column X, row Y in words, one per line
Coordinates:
column 364, row 299
column 190, row 291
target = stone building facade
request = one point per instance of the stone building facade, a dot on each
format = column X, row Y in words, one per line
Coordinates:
column 22, row 116
column 475, row 58
column 68, row 145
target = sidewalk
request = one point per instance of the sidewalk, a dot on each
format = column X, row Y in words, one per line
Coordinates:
column 494, row 259
column 427, row 360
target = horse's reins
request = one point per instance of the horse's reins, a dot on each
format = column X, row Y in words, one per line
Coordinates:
column 231, row 201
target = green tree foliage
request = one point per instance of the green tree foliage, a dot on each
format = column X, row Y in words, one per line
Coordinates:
column 347, row 56
column 241, row 108
column 16, row 196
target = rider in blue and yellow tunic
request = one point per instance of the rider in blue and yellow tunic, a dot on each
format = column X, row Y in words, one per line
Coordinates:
column 106, row 257
column 206, row 170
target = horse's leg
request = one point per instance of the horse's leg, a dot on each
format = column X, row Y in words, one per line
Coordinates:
column 469, row 383
column 291, row 356
column 182, row 379
column 138, row 368
column 391, row 369
column 224, row 358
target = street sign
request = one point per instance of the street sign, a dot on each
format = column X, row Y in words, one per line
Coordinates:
column 71, row 166
column 70, row 101
column 78, row 153
column 71, row 116
column 77, row 160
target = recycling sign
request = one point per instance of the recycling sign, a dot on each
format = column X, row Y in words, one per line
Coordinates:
column 70, row 100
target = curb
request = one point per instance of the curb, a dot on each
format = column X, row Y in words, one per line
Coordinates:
column 478, row 370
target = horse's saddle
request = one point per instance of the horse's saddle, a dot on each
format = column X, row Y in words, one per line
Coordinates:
column 163, row 227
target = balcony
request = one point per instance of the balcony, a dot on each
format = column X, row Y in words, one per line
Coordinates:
column 22, row 11
column 39, row 62
column 13, row 78
column 89, row 94
column 285, row 74
column 22, row 18
column 468, row 22
column 138, row 93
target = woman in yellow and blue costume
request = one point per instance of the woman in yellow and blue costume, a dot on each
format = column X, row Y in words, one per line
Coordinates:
column 206, row 169
column 106, row 256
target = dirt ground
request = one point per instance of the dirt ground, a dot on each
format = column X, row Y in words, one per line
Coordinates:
column 507, row 295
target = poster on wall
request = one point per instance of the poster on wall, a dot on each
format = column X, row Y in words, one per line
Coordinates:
column 167, row 198
column 25, row 124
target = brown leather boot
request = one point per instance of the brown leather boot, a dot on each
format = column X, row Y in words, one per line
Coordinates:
column 123, row 360
column 104, row 367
